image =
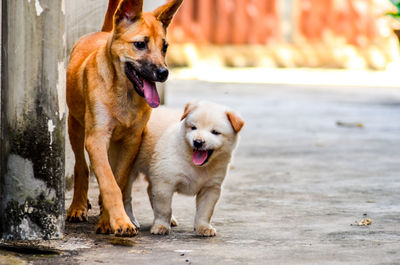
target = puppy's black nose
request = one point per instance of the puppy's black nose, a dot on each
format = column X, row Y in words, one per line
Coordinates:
column 161, row 74
column 198, row 143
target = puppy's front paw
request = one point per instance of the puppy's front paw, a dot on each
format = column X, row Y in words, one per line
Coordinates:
column 205, row 230
column 160, row 229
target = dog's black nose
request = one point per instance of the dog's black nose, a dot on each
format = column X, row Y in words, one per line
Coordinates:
column 198, row 143
column 161, row 74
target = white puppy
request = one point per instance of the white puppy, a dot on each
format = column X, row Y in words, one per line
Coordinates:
column 187, row 153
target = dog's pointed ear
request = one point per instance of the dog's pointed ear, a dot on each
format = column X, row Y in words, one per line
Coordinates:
column 188, row 108
column 128, row 12
column 236, row 121
column 166, row 12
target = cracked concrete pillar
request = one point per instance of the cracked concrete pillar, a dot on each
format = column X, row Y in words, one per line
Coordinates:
column 32, row 119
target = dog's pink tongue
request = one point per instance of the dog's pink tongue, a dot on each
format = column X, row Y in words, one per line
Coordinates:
column 199, row 157
column 151, row 94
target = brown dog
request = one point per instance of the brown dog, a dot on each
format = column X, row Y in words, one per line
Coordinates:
column 110, row 93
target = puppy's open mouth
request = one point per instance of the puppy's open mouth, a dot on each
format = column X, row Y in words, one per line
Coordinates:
column 201, row 157
column 143, row 87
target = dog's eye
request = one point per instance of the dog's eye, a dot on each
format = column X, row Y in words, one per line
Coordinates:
column 215, row 132
column 194, row 128
column 140, row 45
column 165, row 47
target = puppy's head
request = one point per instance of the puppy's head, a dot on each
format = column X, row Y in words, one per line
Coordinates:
column 210, row 131
column 139, row 45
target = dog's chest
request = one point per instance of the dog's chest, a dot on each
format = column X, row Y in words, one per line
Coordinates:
column 127, row 108
column 127, row 122
column 193, row 181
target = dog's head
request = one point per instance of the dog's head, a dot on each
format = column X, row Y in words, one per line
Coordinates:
column 210, row 130
column 139, row 45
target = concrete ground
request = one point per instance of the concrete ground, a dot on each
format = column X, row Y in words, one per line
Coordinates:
column 311, row 162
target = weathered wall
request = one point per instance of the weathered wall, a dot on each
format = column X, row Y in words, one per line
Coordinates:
column 83, row 17
column 1, row 133
column 33, row 119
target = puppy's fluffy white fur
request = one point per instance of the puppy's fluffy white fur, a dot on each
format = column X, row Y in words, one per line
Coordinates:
column 166, row 159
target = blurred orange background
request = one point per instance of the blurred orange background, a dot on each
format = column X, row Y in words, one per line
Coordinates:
column 351, row 34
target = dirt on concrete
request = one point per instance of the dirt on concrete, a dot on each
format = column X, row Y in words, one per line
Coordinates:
column 298, row 184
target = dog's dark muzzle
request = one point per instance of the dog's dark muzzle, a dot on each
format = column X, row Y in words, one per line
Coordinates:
column 135, row 79
column 152, row 72
column 161, row 74
column 143, row 83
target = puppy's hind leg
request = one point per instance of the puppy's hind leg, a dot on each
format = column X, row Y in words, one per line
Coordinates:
column 80, row 204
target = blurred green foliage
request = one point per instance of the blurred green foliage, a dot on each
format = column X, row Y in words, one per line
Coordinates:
column 395, row 15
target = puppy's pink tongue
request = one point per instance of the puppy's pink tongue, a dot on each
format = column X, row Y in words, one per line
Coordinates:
column 199, row 157
column 151, row 94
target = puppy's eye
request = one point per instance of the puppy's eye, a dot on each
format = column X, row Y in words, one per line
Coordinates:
column 140, row 45
column 194, row 128
column 165, row 48
column 215, row 132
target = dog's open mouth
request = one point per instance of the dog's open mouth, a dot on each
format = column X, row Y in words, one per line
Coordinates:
column 143, row 87
column 201, row 157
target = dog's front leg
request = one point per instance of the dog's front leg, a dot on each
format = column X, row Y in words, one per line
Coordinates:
column 127, row 152
column 161, row 199
column 206, row 200
column 97, row 142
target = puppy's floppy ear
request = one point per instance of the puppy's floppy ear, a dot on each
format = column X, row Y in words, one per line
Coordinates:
column 236, row 121
column 188, row 108
column 166, row 12
column 128, row 12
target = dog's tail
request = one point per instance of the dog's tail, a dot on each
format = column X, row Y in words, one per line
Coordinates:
column 108, row 19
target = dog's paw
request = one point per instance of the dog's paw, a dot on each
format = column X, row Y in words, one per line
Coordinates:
column 78, row 212
column 124, row 227
column 104, row 227
column 135, row 222
column 205, row 230
column 174, row 222
column 160, row 229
